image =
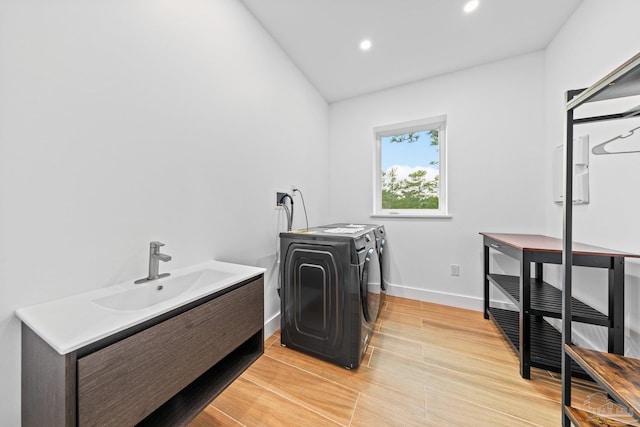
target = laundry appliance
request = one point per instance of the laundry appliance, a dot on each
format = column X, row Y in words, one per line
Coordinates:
column 376, row 289
column 330, row 291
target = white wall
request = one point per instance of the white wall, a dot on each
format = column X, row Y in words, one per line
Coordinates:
column 496, row 160
column 598, row 37
column 126, row 121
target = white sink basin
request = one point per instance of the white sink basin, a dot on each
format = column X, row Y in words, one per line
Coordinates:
column 157, row 291
column 70, row 323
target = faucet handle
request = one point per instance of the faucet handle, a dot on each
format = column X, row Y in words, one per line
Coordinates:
column 154, row 247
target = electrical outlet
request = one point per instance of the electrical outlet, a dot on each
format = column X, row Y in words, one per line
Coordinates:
column 279, row 197
column 293, row 188
column 455, row 270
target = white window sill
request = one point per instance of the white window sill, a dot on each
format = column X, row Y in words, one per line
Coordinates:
column 410, row 215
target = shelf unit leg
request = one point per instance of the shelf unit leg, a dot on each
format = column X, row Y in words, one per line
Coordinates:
column 616, row 306
column 538, row 274
column 567, row 262
column 486, row 281
column 525, row 318
column 539, row 271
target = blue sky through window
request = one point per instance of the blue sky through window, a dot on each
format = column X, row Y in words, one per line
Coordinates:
column 412, row 155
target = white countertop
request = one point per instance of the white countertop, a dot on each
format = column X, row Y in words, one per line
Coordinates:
column 70, row 323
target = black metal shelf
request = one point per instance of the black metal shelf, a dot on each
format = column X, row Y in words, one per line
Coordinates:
column 546, row 300
column 536, row 299
column 615, row 372
column 546, row 341
column 622, row 82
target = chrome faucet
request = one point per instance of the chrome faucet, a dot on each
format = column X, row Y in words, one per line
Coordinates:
column 154, row 260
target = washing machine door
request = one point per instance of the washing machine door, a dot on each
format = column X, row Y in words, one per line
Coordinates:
column 370, row 286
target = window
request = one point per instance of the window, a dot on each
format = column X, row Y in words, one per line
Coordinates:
column 411, row 168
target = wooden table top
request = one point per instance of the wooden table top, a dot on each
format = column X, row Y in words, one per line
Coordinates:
column 540, row 243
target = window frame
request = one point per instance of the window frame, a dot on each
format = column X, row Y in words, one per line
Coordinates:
column 439, row 122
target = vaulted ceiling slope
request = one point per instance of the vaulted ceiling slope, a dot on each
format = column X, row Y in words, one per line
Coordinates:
column 412, row 39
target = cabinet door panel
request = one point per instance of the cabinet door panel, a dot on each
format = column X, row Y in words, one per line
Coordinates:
column 123, row 383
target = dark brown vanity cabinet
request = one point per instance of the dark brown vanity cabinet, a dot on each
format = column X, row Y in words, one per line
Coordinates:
column 162, row 372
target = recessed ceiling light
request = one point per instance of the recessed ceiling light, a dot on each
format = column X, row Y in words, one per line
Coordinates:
column 365, row 44
column 471, row 5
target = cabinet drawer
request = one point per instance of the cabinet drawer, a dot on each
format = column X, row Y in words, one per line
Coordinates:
column 123, row 383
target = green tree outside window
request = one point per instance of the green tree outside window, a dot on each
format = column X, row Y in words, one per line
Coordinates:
column 416, row 190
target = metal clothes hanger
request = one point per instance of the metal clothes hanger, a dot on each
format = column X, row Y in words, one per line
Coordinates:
column 600, row 148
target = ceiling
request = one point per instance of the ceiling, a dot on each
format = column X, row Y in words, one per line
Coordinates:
column 412, row 39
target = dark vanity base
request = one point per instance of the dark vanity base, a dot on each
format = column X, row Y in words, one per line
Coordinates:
column 161, row 373
column 187, row 404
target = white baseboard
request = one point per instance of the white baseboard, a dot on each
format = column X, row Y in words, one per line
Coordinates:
column 503, row 305
column 271, row 325
column 444, row 298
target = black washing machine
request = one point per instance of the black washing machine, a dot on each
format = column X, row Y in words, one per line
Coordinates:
column 377, row 289
column 329, row 302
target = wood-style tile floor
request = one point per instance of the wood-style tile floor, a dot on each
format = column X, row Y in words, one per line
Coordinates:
column 427, row 365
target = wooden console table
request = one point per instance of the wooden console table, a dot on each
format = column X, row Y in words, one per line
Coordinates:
column 536, row 342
